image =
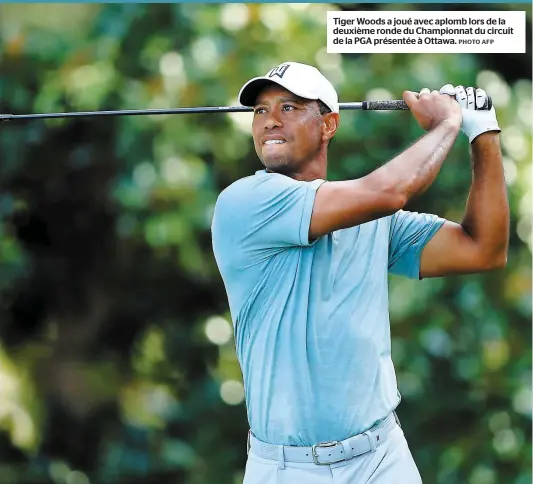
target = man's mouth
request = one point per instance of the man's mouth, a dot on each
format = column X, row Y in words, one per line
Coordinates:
column 274, row 142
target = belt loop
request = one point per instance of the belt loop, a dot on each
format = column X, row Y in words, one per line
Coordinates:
column 397, row 419
column 370, row 438
column 348, row 452
column 281, row 457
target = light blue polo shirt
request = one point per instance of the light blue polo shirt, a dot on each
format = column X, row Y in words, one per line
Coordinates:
column 311, row 320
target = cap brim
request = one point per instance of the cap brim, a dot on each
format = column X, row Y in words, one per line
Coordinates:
column 250, row 91
column 252, row 88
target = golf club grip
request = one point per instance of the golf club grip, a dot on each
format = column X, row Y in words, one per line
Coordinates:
column 394, row 105
column 400, row 105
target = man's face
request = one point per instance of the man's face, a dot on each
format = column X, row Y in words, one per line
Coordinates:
column 287, row 130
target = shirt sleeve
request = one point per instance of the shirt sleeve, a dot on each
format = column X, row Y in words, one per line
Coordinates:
column 265, row 213
column 409, row 233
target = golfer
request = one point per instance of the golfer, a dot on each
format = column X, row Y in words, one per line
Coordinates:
column 305, row 262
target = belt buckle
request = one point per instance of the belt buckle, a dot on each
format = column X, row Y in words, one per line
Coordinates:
column 323, row 445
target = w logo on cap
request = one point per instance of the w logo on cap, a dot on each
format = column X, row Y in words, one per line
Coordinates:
column 279, row 71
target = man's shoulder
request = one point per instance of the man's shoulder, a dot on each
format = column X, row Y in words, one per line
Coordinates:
column 235, row 197
column 239, row 185
column 260, row 182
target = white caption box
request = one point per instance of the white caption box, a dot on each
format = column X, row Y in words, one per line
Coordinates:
column 498, row 32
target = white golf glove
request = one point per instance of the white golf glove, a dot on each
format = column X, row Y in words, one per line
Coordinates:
column 476, row 121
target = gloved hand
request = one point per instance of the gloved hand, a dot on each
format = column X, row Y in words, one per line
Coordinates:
column 476, row 121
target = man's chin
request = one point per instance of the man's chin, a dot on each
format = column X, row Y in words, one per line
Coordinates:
column 276, row 165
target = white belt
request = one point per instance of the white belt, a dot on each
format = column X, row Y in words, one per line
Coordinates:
column 326, row 453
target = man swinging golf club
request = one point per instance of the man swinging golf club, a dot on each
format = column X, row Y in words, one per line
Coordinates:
column 305, row 262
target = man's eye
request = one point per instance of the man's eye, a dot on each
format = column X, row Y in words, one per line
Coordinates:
column 259, row 110
column 288, row 107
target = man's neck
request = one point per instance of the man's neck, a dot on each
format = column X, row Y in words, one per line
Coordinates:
column 313, row 171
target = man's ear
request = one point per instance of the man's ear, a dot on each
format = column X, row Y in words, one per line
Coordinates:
column 331, row 123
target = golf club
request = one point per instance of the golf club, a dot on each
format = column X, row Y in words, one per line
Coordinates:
column 393, row 105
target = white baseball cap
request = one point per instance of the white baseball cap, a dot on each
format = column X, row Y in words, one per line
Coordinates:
column 300, row 79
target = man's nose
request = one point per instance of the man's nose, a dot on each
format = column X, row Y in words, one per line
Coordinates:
column 273, row 120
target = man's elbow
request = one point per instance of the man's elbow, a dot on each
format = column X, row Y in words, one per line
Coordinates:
column 391, row 198
column 392, row 201
column 398, row 202
column 494, row 261
column 500, row 261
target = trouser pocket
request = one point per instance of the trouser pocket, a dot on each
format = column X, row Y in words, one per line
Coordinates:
column 260, row 471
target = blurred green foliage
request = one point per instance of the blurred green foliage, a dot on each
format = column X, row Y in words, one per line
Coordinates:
column 116, row 354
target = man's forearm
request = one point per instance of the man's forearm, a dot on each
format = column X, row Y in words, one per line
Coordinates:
column 414, row 170
column 487, row 210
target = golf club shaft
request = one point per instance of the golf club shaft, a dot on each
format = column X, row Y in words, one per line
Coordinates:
column 394, row 105
column 197, row 110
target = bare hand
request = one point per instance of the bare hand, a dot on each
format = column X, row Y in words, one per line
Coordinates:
column 432, row 108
